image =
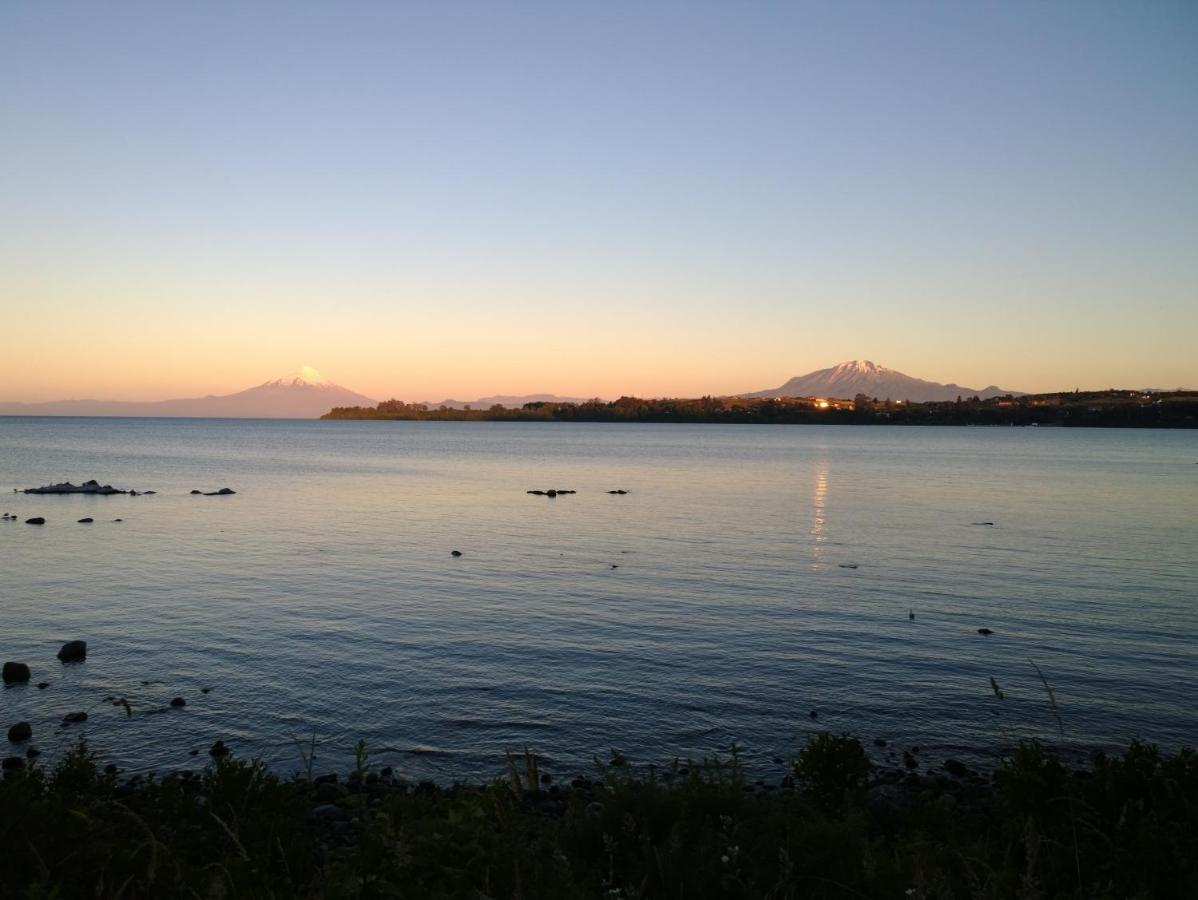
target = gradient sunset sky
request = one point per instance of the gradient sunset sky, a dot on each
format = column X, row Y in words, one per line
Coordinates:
column 443, row 199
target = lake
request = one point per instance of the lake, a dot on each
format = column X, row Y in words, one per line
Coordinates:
column 711, row 604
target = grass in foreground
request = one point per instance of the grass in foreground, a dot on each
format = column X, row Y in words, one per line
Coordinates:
column 1123, row 827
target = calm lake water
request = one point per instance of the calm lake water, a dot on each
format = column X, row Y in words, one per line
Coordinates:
column 708, row 605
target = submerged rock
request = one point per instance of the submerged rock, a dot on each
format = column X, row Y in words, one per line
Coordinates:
column 74, row 718
column 73, row 651
column 15, row 673
column 22, row 731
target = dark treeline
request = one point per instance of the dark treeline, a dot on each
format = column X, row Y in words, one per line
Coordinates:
column 1110, row 409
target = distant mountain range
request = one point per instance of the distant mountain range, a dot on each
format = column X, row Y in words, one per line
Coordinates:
column 309, row 395
column 860, row 376
column 510, row 401
column 305, row 395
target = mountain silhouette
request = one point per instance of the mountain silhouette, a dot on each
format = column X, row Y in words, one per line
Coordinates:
column 304, row 395
column 861, row 376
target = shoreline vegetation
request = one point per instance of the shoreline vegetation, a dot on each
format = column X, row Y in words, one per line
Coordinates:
column 832, row 826
column 1094, row 409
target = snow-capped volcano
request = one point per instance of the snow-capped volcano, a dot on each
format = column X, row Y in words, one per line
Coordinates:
column 863, row 376
column 304, row 395
column 306, row 377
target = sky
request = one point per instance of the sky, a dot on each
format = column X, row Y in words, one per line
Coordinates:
column 426, row 200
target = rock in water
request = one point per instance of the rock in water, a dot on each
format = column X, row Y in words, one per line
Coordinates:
column 12, row 763
column 986, row 632
column 218, row 750
column 22, row 731
column 87, row 521
column 15, row 673
column 455, row 552
column 65, row 487
column 74, row 718
column 956, row 768
column 197, row 492
column 73, row 651
column 36, row 520
column 178, row 703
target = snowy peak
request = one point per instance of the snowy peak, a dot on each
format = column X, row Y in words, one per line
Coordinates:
column 863, row 376
column 859, row 367
column 305, row 377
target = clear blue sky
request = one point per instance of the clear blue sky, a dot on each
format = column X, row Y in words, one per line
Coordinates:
column 440, row 199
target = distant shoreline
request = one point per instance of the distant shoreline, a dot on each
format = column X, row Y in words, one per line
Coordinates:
column 1095, row 409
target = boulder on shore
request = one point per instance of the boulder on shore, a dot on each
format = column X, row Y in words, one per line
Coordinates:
column 73, row 651
column 15, row 673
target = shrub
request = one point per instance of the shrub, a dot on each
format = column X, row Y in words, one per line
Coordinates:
column 832, row 769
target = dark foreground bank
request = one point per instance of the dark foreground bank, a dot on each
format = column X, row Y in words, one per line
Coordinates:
column 1123, row 826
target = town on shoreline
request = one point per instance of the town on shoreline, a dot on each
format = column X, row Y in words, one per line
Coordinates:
column 1095, row 409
